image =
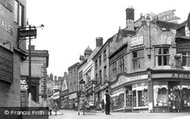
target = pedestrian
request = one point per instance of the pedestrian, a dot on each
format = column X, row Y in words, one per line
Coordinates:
column 55, row 108
column 50, row 104
column 107, row 101
column 74, row 106
column 81, row 106
column 102, row 105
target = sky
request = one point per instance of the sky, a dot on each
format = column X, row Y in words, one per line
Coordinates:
column 73, row 25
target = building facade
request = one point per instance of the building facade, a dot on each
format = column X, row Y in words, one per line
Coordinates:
column 39, row 65
column 146, row 72
column 12, row 16
column 101, row 65
column 73, row 84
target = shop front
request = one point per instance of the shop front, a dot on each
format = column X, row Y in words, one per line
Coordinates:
column 64, row 99
column 97, row 92
column 171, row 90
column 130, row 92
column 72, row 100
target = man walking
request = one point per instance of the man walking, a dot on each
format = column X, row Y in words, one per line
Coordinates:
column 107, row 102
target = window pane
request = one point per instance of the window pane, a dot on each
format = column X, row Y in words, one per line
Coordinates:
column 159, row 60
column 16, row 11
column 166, row 60
column 165, row 51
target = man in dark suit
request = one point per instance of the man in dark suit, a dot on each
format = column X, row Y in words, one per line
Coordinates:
column 107, row 102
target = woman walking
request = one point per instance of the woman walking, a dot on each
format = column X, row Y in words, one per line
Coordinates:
column 81, row 106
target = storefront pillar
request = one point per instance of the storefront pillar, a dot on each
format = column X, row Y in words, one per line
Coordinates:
column 150, row 91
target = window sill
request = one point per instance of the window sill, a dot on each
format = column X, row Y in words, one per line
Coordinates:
column 162, row 67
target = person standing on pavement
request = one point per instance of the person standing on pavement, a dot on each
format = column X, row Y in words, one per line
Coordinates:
column 50, row 104
column 107, row 101
column 81, row 106
column 102, row 105
column 55, row 108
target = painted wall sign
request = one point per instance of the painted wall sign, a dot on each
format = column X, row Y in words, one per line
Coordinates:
column 7, row 27
column 6, row 65
column 123, row 79
column 137, row 41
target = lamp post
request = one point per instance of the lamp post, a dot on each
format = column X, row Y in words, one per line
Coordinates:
column 29, row 32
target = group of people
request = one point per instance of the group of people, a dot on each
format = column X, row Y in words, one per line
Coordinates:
column 52, row 105
column 105, row 104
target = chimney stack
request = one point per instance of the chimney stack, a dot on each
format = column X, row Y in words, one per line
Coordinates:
column 130, row 18
column 99, row 41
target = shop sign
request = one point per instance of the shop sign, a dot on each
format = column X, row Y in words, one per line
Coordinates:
column 136, row 41
column 6, row 65
column 56, row 95
column 104, row 86
column 176, row 75
column 23, row 85
column 123, row 79
column 171, row 75
column 73, row 95
column 97, row 89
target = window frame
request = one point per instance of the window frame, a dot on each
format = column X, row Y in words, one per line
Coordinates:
column 137, row 59
column 162, row 55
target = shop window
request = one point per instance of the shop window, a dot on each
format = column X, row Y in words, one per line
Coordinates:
column 138, row 59
column 134, row 99
column 186, row 59
column 140, row 95
column 118, row 101
column 160, row 94
column 162, row 56
column 143, row 98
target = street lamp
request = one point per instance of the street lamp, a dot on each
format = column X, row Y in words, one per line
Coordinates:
column 31, row 33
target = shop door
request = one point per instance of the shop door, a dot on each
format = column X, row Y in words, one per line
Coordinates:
column 178, row 97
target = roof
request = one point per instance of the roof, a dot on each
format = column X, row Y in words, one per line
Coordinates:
column 125, row 33
column 167, row 25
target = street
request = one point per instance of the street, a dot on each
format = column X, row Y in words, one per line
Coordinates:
column 69, row 114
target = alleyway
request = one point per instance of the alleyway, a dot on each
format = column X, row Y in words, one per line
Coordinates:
column 68, row 114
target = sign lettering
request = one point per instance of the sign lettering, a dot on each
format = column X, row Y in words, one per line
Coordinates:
column 6, row 27
column 123, row 79
column 180, row 75
column 136, row 41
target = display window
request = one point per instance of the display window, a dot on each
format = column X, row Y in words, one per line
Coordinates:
column 140, row 95
column 160, row 90
column 118, row 101
column 179, row 96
